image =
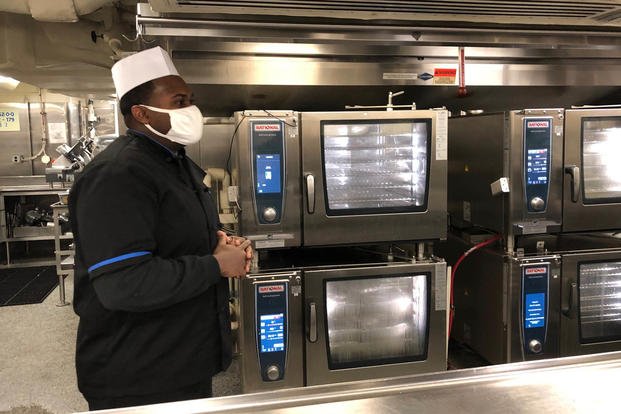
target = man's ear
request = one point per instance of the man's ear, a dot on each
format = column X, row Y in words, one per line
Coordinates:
column 140, row 114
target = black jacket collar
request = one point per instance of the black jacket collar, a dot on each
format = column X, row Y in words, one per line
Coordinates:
column 156, row 146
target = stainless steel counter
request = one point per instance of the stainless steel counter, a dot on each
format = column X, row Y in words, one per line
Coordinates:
column 584, row 384
column 30, row 183
column 29, row 187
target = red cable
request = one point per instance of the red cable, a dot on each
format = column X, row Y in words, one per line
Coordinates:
column 456, row 266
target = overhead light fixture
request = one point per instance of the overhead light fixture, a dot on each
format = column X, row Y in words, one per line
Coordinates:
column 8, row 83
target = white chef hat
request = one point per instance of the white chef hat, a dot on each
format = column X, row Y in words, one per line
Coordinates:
column 140, row 68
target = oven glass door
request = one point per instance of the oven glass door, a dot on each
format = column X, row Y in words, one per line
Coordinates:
column 370, row 323
column 599, row 290
column 373, row 166
column 373, row 176
column 592, row 187
column 376, row 320
column 601, row 145
column 591, row 302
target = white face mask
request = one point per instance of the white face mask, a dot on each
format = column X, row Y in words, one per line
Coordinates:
column 186, row 124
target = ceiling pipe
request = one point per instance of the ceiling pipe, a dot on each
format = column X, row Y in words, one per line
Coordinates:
column 116, row 46
column 54, row 11
column 462, row 91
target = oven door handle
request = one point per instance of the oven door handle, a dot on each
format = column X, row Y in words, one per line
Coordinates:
column 569, row 307
column 312, row 322
column 310, row 193
column 574, row 172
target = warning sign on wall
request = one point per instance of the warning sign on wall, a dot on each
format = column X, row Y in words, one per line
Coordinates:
column 9, row 120
column 57, row 132
column 444, row 76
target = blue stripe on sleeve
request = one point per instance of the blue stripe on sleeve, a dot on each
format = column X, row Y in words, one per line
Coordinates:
column 116, row 259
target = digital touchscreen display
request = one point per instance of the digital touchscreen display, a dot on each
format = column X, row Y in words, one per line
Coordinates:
column 268, row 173
column 272, row 332
column 535, row 311
column 537, row 166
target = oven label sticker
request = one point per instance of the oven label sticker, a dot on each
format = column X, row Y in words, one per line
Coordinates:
column 271, row 289
column 399, row 75
column 441, row 281
column 536, row 270
column 269, row 244
column 442, row 136
column 267, row 127
column 467, row 211
column 538, row 124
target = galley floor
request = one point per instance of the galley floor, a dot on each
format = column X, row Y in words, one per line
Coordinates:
column 37, row 370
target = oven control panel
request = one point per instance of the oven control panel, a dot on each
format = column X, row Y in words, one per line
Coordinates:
column 535, row 288
column 537, row 156
column 268, row 175
column 271, row 320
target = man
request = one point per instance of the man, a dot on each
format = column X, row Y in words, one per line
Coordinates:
column 151, row 267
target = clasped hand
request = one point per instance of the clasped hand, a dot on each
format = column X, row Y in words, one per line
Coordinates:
column 233, row 254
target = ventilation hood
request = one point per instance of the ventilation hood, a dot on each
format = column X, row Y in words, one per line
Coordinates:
column 584, row 13
column 315, row 55
column 323, row 55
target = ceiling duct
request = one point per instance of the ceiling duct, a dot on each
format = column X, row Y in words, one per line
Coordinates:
column 56, row 11
column 551, row 12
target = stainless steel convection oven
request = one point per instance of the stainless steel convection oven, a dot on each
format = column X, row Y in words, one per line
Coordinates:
column 341, row 315
column 536, row 171
column 590, row 302
column 330, row 178
column 561, row 299
column 374, row 176
column 592, row 181
column 506, row 171
column 342, row 208
column 376, row 321
column 546, row 181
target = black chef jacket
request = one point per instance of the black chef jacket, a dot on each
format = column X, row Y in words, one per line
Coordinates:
column 152, row 303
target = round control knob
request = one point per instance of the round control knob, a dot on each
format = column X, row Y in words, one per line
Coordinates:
column 269, row 214
column 537, row 203
column 535, row 346
column 273, row 373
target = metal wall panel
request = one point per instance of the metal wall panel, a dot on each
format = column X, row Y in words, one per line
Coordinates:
column 108, row 118
column 214, row 146
column 15, row 142
column 305, row 71
column 62, row 125
column 74, row 115
column 56, row 131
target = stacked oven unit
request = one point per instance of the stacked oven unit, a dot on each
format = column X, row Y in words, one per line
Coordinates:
column 549, row 182
column 323, row 196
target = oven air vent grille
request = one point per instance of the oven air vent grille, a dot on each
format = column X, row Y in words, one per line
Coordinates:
column 496, row 11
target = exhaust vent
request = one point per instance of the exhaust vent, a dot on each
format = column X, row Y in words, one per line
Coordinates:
column 610, row 17
column 582, row 13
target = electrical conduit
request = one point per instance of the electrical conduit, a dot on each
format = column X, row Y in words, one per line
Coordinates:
column 456, row 266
